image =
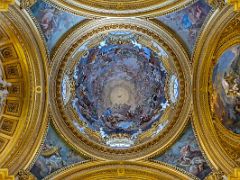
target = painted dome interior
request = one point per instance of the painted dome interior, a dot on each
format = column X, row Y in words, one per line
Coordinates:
column 121, row 88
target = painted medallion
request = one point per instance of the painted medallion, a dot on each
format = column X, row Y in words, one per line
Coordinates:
column 226, row 89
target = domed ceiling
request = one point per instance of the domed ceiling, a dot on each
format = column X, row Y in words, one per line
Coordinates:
column 119, row 89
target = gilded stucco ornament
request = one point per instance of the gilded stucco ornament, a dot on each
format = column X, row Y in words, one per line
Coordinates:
column 120, row 170
column 115, row 137
column 4, row 175
column 235, row 3
column 25, row 107
column 4, row 4
column 217, row 3
column 27, row 3
column 121, row 8
column 219, row 143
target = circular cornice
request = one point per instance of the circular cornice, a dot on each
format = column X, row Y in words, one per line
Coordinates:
column 24, row 116
column 122, row 8
column 218, row 35
column 120, row 170
column 63, row 55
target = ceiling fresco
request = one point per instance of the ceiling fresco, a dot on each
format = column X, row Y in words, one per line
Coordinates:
column 54, row 155
column 109, row 95
column 100, row 89
column 186, row 154
column 187, row 23
column 53, row 22
column 226, row 85
column 118, row 89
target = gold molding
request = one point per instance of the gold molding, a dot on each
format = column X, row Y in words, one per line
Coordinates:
column 27, row 107
column 27, row 3
column 217, row 3
column 235, row 4
column 120, row 170
column 4, row 175
column 215, row 33
column 235, row 175
column 121, row 8
column 75, row 39
column 4, row 4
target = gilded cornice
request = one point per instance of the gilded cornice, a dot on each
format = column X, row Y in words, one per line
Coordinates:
column 120, row 170
column 80, row 35
column 122, row 8
column 209, row 48
column 26, row 104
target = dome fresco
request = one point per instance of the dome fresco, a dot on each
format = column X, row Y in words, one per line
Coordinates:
column 121, row 89
column 226, row 85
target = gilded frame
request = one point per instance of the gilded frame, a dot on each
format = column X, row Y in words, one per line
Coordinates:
column 143, row 170
column 22, row 33
column 122, row 8
column 214, row 39
column 80, row 34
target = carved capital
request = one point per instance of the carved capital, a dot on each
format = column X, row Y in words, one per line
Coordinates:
column 27, row 3
column 4, row 4
column 4, row 175
column 235, row 3
column 235, row 175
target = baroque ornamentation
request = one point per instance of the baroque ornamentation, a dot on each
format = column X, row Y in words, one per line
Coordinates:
column 217, row 3
column 117, row 131
column 4, row 175
column 4, row 4
column 121, row 169
column 235, row 3
column 211, row 128
column 27, row 3
column 24, row 68
column 25, row 175
column 235, row 175
column 121, row 8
